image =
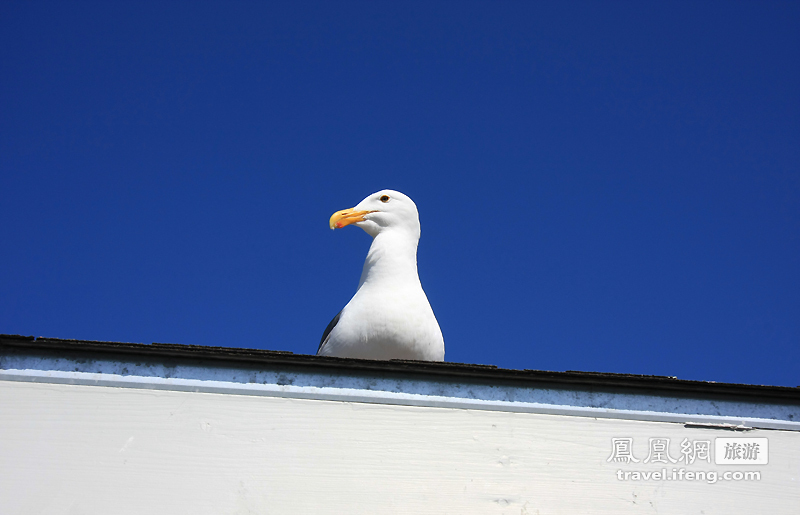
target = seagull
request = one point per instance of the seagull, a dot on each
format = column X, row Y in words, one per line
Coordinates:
column 389, row 317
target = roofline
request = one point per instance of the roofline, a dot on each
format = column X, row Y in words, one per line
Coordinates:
column 431, row 369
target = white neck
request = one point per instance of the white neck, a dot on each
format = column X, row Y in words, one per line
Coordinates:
column 391, row 257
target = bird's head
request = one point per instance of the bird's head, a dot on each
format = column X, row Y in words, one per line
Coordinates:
column 386, row 210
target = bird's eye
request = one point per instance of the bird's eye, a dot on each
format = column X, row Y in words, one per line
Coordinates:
column 385, row 198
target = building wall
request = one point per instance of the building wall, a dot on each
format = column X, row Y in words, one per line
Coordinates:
column 70, row 448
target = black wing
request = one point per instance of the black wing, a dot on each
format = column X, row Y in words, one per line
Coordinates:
column 328, row 331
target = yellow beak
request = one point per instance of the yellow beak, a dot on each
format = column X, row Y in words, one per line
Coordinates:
column 346, row 217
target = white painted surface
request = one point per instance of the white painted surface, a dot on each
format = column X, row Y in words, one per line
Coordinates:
column 99, row 450
column 222, row 377
column 338, row 393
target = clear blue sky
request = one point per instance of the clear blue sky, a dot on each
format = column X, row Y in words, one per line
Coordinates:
column 603, row 186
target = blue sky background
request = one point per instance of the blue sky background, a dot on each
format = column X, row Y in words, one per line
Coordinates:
column 603, row 186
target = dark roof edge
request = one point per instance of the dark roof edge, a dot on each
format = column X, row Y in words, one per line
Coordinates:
column 426, row 368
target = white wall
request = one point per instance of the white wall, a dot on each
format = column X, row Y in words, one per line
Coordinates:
column 77, row 449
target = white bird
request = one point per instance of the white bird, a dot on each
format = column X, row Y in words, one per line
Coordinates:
column 389, row 317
